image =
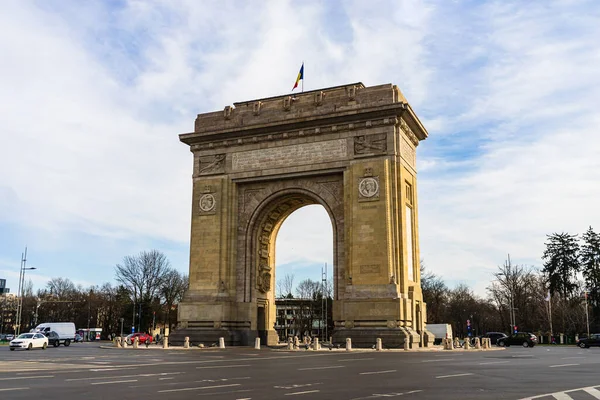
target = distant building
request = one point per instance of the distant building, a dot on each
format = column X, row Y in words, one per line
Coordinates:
column 298, row 317
column 3, row 288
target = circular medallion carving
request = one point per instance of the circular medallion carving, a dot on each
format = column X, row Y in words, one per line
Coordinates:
column 207, row 203
column 368, row 187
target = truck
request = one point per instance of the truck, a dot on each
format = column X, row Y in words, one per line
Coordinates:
column 65, row 331
column 441, row 331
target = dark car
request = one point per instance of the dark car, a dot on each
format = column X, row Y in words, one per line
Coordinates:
column 53, row 339
column 494, row 336
column 593, row 340
column 524, row 339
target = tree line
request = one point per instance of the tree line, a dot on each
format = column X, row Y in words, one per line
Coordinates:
column 563, row 296
column 146, row 295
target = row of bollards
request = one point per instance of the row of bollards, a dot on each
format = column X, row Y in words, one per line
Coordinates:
column 483, row 344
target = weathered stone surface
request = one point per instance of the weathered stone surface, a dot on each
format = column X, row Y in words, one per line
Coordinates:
column 350, row 149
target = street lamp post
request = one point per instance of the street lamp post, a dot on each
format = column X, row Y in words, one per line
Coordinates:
column 122, row 319
column 21, row 290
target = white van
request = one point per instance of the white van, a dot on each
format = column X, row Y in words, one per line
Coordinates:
column 65, row 330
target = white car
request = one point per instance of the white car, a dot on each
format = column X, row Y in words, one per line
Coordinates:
column 29, row 341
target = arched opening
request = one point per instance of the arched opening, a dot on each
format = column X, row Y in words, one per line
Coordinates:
column 268, row 226
column 303, row 274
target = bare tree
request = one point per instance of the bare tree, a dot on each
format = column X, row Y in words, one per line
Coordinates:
column 285, row 286
column 143, row 274
column 172, row 290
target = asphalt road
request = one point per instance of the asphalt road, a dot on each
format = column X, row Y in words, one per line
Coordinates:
column 86, row 371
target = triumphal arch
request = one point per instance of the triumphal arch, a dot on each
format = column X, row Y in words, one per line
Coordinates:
column 351, row 149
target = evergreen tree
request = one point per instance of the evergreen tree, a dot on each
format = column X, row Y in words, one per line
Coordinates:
column 561, row 263
column 590, row 263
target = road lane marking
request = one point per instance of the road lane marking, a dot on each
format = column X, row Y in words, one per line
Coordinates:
column 164, row 379
column 224, row 366
column 493, row 362
column 300, row 393
column 356, row 359
column 329, row 367
column 570, row 358
column 111, row 382
column 563, row 365
column 11, row 389
column 453, row 375
column 439, row 360
column 592, row 391
column 377, row 395
column 227, row 392
column 378, row 372
column 563, row 395
column 198, row 388
column 96, row 378
column 26, row 377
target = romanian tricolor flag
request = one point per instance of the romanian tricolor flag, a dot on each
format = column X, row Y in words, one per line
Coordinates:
column 300, row 76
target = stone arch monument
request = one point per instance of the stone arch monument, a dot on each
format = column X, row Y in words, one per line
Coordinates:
column 351, row 149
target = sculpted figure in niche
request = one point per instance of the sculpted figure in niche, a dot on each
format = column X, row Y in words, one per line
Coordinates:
column 366, row 144
column 264, row 277
column 214, row 165
column 368, row 187
column 207, row 202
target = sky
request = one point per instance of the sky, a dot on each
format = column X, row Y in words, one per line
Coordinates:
column 94, row 94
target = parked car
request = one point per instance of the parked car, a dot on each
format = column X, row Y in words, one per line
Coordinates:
column 593, row 340
column 142, row 338
column 53, row 339
column 524, row 339
column 29, row 341
column 9, row 336
column 494, row 336
column 78, row 338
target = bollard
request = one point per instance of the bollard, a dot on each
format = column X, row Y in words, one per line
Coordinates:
column 221, row 343
column 316, row 344
column 562, row 338
column 296, row 343
column 406, row 345
column 456, row 343
column 378, row 346
column 136, row 343
column 186, row 342
column 165, row 342
column 466, row 344
column 477, row 344
column 348, row 344
column 448, row 344
column 576, row 338
column 118, row 341
column 290, row 345
column 257, row 343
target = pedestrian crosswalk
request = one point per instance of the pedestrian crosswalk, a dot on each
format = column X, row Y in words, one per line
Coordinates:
column 590, row 392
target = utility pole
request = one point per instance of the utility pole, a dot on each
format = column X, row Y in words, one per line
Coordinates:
column 511, row 289
column 587, row 318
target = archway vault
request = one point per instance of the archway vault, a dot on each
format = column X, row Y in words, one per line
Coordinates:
column 350, row 149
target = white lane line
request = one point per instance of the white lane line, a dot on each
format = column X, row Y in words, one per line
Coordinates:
column 377, row 395
column 562, row 396
column 299, row 393
column 570, row 358
column 198, row 388
column 164, row 379
column 356, row 359
column 11, row 389
column 493, row 362
column 378, row 372
column 562, row 365
column 593, row 392
column 439, row 360
column 96, row 378
column 26, row 377
column 227, row 392
column 111, row 382
column 453, row 375
column 329, row 367
column 224, row 366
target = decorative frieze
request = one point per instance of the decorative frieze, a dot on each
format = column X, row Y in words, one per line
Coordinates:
column 370, row 144
column 209, row 165
column 408, row 153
